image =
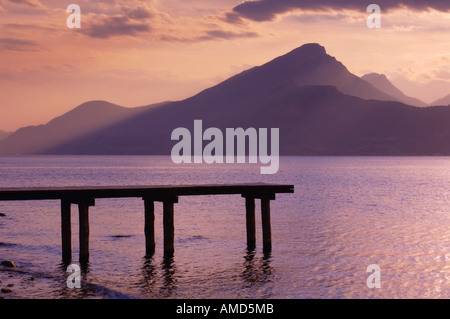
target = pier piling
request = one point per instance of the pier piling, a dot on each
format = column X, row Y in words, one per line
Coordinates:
column 250, row 222
column 66, row 231
column 83, row 209
column 266, row 227
column 149, row 227
column 169, row 226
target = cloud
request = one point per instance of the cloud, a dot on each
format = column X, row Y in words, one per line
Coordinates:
column 15, row 4
column 226, row 35
column 30, row 3
column 144, row 19
column 131, row 22
column 138, row 13
column 307, row 17
column 28, row 27
column 117, row 26
column 12, row 44
column 211, row 35
column 266, row 10
column 442, row 74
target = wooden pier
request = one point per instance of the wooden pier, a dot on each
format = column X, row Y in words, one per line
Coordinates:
column 85, row 197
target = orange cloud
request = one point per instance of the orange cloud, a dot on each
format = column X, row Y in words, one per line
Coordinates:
column 12, row 44
column 35, row 4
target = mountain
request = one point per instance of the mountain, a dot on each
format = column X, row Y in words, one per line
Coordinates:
column 81, row 121
column 4, row 135
column 319, row 107
column 381, row 82
column 443, row 101
column 306, row 65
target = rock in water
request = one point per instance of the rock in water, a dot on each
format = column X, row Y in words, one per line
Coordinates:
column 8, row 263
column 6, row 290
column 2, row 215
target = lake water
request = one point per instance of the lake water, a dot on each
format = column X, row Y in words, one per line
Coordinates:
column 346, row 214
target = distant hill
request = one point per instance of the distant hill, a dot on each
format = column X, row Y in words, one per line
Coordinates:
column 81, row 121
column 381, row 82
column 4, row 135
column 443, row 101
column 318, row 105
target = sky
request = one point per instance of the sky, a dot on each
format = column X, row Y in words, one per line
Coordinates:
column 137, row 52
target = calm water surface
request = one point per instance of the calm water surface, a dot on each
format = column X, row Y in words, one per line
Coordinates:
column 346, row 213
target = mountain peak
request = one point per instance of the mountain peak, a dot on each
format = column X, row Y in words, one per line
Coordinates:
column 308, row 64
column 96, row 104
column 307, row 56
column 375, row 75
column 382, row 83
column 443, row 101
column 310, row 49
column 307, row 52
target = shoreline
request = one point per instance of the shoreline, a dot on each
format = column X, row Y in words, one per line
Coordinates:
column 13, row 281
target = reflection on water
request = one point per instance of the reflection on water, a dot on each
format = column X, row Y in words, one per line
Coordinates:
column 156, row 279
column 257, row 271
column 160, row 280
column 169, row 270
column 154, row 286
column 148, row 280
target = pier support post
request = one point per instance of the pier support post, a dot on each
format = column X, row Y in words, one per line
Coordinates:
column 66, row 230
column 149, row 227
column 265, row 219
column 168, row 224
column 83, row 209
column 250, row 222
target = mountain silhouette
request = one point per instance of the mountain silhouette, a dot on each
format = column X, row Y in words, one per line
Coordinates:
column 443, row 101
column 83, row 120
column 306, row 65
column 4, row 135
column 381, row 82
column 318, row 105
